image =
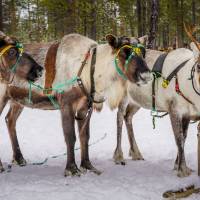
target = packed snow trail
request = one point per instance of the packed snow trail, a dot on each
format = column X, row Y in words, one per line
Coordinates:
column 40, row 136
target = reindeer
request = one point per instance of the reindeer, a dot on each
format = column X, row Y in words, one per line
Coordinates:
column 14, row 64
column 74, row 57
column 180, row 99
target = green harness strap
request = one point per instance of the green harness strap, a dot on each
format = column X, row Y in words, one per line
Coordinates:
column 20, row 48
column 119, row 71
column 135, row 51
column 154, row 112
column 59, row 88
column 14, row 67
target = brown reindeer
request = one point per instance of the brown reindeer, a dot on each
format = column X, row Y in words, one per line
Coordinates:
column 14, row 64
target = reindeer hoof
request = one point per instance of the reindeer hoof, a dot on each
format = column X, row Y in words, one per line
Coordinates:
column 184, row 172
column 1, row 169
column 72, row 170
column 20, row 161
column 119, row 158
column 120, row 161
column 175, row 167
column 87, row 166
column 135, row 155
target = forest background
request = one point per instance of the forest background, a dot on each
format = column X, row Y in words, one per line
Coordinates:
column 48, row 20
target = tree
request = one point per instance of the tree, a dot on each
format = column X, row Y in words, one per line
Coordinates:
column 153, row 24
column 94, row 19
column 1, row 15
column 139, row 18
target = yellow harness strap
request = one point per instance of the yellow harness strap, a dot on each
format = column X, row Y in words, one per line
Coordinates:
column 134, row 49
column 5, row 49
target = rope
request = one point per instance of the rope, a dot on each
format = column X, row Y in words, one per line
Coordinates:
column 64, row 154
column 155, row 115
column 154, row 112
column 59, row 88
column 14, row 67
column 58, row 155
column 30, row 93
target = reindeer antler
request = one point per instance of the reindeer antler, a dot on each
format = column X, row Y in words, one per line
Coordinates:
column 190, row 29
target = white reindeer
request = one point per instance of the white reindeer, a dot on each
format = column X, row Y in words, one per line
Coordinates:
column 182, row 105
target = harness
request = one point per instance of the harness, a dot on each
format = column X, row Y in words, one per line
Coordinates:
column 12, row 68
column 90, row 95
column 59, row 88
column 135, row 51
column 192, row 79
column 157, row 73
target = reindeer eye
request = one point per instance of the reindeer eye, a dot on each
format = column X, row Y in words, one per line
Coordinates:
column 198, row 68
column 12, row 53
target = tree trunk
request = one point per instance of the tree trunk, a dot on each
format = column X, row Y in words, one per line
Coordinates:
column 181, row 25
column 1, row 15
column 93, row 30
column 153, row 24
column 70, row 17
column 193, row 11
column 144, row 10
column 13, row 25
column 179, row 42
column 139, row 17
column 114, row 23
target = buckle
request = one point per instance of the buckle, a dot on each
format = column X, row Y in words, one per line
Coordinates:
column 165, row 83
column 154, row 112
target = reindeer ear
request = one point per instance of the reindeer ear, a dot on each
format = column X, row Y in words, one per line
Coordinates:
column 195, row 50
column 112, row 40
column 6, row 38
column 143, row 39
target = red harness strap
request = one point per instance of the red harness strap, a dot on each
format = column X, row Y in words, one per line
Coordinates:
column 178, row 91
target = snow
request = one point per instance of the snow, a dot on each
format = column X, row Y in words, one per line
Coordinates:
column 40, row 135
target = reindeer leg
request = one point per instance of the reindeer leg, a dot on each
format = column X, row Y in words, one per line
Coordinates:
column 118, row 154
column 177, row 125
column 185, row 125
column 68, row 122
column 1, row 167
column 134, row 151
column 11, row 118
column 84, row 135
column 3, row 102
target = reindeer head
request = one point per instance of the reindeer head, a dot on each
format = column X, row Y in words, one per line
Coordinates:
column 195, row 46
column 129, row 59
column 14, row 61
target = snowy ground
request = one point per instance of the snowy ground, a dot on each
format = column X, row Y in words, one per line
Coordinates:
column 40, row 135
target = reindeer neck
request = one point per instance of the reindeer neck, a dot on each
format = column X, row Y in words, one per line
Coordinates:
column 105, row 61
column 108, row 83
